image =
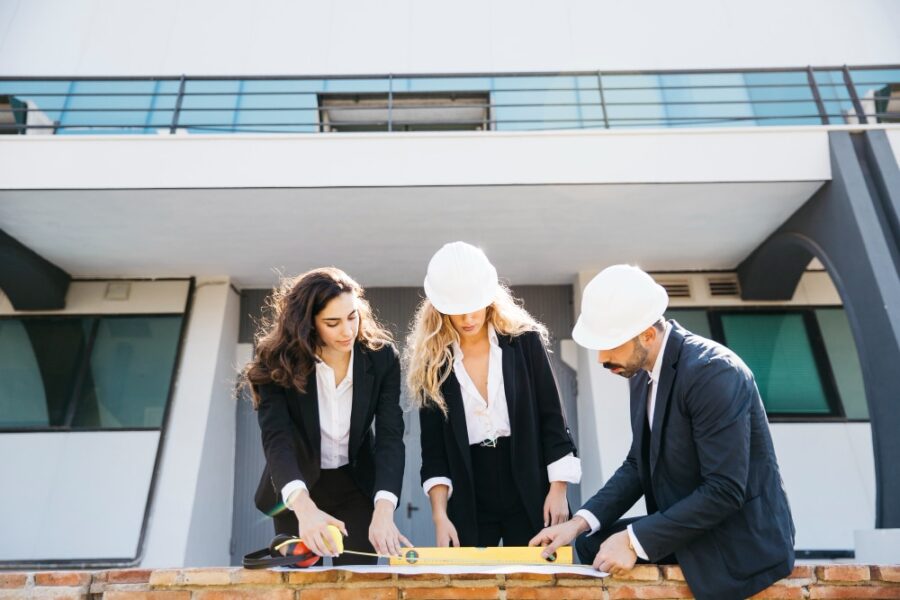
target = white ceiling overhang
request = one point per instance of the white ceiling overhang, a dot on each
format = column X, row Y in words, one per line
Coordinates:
column 384, row 236
column 544, row 205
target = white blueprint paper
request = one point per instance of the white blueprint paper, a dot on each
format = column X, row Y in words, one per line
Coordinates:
column 458, row 570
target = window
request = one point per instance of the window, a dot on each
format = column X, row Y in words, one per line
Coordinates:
column 804, row 359
column 109, row 372
column 13, row 114
column 777, row 348
column 695, row 321
column 879, row 93
column 843, row 360
column 420, row 111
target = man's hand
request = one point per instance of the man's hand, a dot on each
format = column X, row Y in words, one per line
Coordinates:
column 559, row 535
column 616, row 556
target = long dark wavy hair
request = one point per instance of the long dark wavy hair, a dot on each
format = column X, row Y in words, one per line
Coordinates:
column 287, row 339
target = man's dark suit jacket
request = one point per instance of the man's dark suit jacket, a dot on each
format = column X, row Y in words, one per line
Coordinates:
column 291, row 437
column 709, row 474
column 539, row 434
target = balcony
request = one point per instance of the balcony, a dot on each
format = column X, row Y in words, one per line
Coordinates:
column 491, row 102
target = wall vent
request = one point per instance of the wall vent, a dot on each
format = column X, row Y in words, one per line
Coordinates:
column 724, row 286
column 677, row 288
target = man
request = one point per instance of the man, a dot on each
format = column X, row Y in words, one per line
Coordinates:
column 701, row 452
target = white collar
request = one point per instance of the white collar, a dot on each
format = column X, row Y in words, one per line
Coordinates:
column 657, row 366
column 321, row 364
column 492, row 338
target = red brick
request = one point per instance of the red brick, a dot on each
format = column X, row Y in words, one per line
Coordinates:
column 257, row 576
column 13, row 580
column 67, row 578
column 154, row 595
column 350, row 594
column 650, row 592
column 268, row 594
column 887, row 573
column 57, row 593
column 206, row 577
column 554, row 593
column 780, row 592
column 164, row 577
column 640, row 573
column 856, row 592
column 672, row 573
column 98, row 577
column 477, row 579
column 355, row 577
column 453, row 593
column 529, row 577
column 435, row 577
column 843, row 573
column 569, row 580
column 300, row 577
column 125, row 576
column 802, row 572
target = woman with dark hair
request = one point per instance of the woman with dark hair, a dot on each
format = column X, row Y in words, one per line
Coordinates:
column 326, row 383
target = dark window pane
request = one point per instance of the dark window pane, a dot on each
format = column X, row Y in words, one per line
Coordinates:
column 694, row 321
column 131, row 366
column 777, row 349
column 844, row 361
column 38, row 363
column 125, row 382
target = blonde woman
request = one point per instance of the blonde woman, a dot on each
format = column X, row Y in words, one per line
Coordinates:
column 496, row 452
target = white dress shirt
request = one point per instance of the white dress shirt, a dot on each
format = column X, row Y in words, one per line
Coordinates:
column 489, row 420
column 335, row 402
column 651, row 407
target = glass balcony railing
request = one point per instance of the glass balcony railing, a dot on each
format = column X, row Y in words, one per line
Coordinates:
column 484, row 102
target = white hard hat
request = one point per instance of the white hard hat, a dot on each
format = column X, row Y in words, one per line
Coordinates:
column 617, row 305
column 460, row 279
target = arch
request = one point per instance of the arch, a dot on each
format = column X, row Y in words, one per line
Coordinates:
column 30, row 281
column 850, row 226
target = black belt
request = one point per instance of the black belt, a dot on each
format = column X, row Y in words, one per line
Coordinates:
column 491, row 442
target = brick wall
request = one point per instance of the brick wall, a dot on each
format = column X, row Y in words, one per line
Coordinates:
column 651, row 582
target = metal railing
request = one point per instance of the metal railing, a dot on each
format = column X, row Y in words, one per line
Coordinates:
column 482, row 101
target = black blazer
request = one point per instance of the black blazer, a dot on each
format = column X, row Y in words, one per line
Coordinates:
column 539, row 435
column 291, row 436
column 714, row 494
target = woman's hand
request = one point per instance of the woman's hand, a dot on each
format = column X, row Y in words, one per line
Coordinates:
column 445, row 532
column 383, row 533
column 556, row 506
column 313, row 525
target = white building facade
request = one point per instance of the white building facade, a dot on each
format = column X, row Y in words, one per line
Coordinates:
column 166, row 160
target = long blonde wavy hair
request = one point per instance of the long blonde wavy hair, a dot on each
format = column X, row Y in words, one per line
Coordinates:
column 428, row 355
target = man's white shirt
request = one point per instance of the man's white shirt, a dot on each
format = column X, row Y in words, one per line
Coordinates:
column 588, row 516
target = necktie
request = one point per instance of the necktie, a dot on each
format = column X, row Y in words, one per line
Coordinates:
column 645, row 457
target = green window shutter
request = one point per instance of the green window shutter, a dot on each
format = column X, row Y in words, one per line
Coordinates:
column 777, row 349
column 844, row 361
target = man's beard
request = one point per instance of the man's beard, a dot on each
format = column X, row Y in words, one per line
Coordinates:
column 634, row 364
